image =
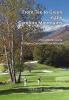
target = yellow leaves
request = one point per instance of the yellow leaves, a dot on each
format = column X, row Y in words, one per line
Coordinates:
column 4, row 42
column 11, row 14
column 4, row 26
column 25, row 28
column 8, row 9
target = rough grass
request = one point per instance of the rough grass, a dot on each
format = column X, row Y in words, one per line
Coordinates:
column 4, row 77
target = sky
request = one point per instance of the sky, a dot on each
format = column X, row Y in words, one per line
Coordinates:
column 57, row 4
column 62, row 5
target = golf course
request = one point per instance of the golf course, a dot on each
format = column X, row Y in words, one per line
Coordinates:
column 34, row 50
column 54, row 80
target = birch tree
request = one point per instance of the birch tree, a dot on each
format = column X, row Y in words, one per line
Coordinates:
column 10, row 10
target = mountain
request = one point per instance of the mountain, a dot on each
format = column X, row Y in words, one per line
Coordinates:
column 61, row 33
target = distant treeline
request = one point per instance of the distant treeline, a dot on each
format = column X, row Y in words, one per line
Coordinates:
column 54, row 55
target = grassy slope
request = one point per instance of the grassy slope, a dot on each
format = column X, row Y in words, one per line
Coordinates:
column 66, row 43
column 58, row 77
column 58, row 95
column 1, row 68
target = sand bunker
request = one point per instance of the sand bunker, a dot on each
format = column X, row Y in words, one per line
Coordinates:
column 47, row 71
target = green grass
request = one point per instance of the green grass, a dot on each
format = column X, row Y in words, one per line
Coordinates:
column 58, row 77
column 55, row 95
column 4, row 77
column 66, row 43
column 2, row 68
column 43, row 66
column 39, row 66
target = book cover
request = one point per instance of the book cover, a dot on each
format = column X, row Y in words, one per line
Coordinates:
column 34, row 49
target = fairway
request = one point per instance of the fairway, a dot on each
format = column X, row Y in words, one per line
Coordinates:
column 50, row 77
column 34, row 50
column 58, row 95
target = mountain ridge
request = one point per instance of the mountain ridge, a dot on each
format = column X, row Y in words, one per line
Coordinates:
column 61, row 33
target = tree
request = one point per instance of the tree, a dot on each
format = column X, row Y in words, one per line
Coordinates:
column 52, row 55
column 10, row 11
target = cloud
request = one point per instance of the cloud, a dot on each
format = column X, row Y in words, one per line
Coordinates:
column 54, row 27
column 47, row 27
